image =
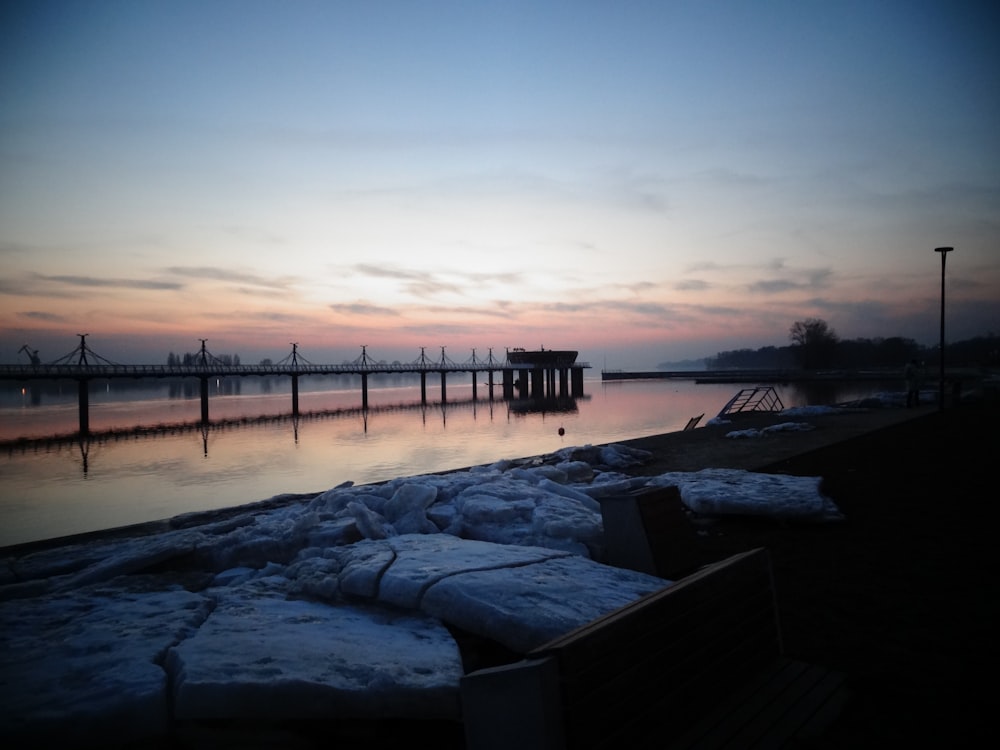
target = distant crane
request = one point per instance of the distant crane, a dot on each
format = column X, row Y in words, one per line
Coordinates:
column 32, row 354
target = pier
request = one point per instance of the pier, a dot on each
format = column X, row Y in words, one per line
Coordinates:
column 523, row 375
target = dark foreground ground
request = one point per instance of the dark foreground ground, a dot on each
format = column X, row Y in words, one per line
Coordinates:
column 902, row 595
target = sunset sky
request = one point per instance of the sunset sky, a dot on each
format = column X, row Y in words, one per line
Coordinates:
column 642, row 181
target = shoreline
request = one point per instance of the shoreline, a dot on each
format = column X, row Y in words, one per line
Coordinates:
column 691, row 450
column 899, row 595
column 708, row 446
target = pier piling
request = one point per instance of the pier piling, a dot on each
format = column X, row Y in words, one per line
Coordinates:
column 83, row 389
column 204, row 399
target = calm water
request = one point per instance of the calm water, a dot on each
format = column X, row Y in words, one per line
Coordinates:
column 254, row 450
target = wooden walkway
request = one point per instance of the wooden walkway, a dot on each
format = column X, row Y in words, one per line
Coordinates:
column 698, row 664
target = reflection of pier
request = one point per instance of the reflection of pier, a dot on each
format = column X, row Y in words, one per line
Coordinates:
column 549, row 405
column 537, row 375
column 84, row 441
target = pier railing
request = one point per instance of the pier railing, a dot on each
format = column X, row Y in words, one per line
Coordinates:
column 91, row 371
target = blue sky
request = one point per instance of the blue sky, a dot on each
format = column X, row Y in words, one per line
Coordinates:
column 642, row 181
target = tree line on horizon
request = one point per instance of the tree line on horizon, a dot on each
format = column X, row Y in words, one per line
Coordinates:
column 190, row 359
column 815, row 345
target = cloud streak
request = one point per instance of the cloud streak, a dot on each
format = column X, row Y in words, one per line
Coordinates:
column 215, row 273
column 97, row 282
column 45, row 317
column 54, row 285
column 363, row 309
column 433, row 283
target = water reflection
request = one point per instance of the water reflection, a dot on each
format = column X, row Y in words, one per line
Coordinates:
column 52, row 483
column 555, row 405
column 42, row 393
column 562, row 405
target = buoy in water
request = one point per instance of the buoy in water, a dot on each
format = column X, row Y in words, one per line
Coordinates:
column 562, row 431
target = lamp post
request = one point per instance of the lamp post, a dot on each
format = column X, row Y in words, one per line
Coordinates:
column 944, row 255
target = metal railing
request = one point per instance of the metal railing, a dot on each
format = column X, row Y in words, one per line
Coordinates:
column 761, row 398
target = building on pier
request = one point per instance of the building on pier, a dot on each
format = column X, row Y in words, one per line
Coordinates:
column 534, row 373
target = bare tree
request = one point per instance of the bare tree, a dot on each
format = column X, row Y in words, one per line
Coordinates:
column 814, row 341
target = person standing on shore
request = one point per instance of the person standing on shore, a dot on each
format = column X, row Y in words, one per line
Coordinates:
column 911, row 373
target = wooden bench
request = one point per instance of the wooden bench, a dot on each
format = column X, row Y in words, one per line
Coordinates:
column 698, row 664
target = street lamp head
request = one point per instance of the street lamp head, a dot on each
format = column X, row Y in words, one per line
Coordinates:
column 943, row 250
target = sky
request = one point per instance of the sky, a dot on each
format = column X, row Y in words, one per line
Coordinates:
column 644, row 182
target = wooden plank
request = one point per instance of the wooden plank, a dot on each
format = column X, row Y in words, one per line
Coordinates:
column 528, row 690
column 731, row 716
column 673, row 698
column 693, row 613
column 732, row 573
column 661, row 656
column 790, row 700
column 700, row 659
column 691, row 634
column 687, row 662
column 808, row 707
column 693, row 422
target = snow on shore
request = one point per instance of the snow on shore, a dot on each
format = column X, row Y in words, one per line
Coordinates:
column 343, row 604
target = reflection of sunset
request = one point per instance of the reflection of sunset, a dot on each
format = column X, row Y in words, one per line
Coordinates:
column 255, row 450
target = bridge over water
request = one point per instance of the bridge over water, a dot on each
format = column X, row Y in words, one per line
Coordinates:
column 526, row 379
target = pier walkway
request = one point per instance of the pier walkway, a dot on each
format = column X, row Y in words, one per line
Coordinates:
column 523, row 379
